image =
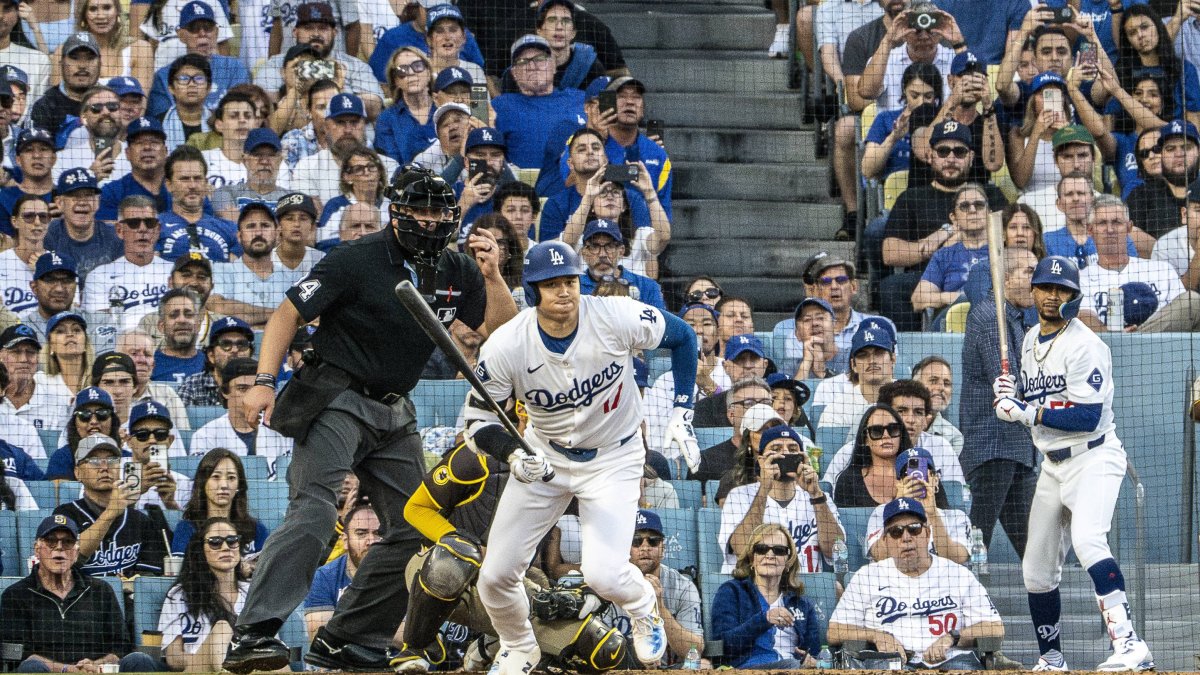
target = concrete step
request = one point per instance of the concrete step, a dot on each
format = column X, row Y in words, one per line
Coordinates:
column 748, row 72
column 716, row 218
column 781, row 182
column 748, row 146
column 777, row 258
column 663, row 27
column 755, row 111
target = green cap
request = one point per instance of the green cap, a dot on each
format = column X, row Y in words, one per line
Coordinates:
column 1073, row 133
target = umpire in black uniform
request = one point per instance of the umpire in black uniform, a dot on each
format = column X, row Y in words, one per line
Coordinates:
column 348, row 410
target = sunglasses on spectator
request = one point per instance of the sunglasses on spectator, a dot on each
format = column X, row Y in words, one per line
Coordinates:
column 959, row 152
column 1145, row 153
column 897, row 531
column 30, row 218
column 650, row 539
column 199, row 79
column 111, row 106
column 698, row 296
column 877, row 431
column 360, row 169
column 840, row 279
column 232, row 344
column 976, row 205
column 101, row 461
column 610, row 247
column 531, row 61
column 159, row 435
column 228, row 541
column 411, row 69
column 778, row 549
column 87, row 415
column 60, row 543
column 140, row 223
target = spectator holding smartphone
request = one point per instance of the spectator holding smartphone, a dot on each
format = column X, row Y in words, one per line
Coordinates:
column 613, row 200
column 918, row 478
column 783, row 473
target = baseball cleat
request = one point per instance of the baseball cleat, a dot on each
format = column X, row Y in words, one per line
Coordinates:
column 250, row 651
column 1129, row 654
column 514, row 662
column 1051, row 661
column 480, row 654
column 649, row 639
column 414, row 660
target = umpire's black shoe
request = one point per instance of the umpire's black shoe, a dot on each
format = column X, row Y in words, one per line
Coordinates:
column 252, row 650
column 333, row 653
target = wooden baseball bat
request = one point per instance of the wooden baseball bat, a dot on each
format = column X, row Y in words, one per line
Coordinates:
column 995, row 239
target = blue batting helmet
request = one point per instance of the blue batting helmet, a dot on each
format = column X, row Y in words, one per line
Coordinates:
column 548, row 260
column 1059, row 271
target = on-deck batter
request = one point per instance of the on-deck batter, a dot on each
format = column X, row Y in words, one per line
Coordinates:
column 1065, row 397
column 570, row 359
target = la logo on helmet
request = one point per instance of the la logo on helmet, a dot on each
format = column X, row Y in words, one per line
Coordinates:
column 1055, row 268
column 556, row 258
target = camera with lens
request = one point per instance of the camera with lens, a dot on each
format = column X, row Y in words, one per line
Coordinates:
column 1062, row 14
column 923, row 20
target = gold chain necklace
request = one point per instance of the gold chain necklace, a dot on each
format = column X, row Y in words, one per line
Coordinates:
column 1042, row 358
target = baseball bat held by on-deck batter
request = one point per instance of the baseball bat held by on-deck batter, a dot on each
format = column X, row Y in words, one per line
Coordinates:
column 415, row 304
column 995, row 232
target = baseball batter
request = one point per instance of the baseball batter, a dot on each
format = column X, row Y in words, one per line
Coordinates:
column 1065, row 397
column 569, row 358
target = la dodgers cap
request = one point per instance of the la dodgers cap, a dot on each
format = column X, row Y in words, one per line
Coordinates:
column 34, row 135
column 144, row 125
column 813, row 302
column 226, row 324
column 125, row 86
column 1178, row 128
column 149, row 410
column 872, row 335
column 648, row 520
column 93, row 396
column 52, row 262
column 486, row 136
column 740, row 344
column 74, row 180
column 966, row 62
column 901, row 506
column 452, row 75
column 195, row 11
column 1140, row 302
column 602, row 226
column 798, row 388
column 346, row 104
column 902, row 459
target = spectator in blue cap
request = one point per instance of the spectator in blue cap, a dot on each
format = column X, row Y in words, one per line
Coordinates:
column 604, row 246
column 92, row 414
column 1155, row 205
column 745, row 357
column 452, row 122
column 150, row 426
column 78, row 235
column 146, row 148
column 527, row 117
column 198, row 31
column 229, row 338
column 132, row 97
column 453, row 85
column 54, row 284
column 479, row 172
column 414, row 34
column 35, row 155
column 676, row 592
column 446, row 34
column 345, row 127
column 811, row 350
column 872, row 361
column 576, row 64
column 406, row 127
column 262, row 155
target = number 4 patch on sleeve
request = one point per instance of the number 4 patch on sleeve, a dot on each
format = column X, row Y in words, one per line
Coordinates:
column 308, row 288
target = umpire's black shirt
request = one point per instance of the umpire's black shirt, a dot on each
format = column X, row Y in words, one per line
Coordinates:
column 364, row 329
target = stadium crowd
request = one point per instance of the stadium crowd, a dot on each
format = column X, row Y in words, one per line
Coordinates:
column 172, row 168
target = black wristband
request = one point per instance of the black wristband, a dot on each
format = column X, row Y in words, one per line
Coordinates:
column 958, row 45
column 265, row 380
column 818, row 500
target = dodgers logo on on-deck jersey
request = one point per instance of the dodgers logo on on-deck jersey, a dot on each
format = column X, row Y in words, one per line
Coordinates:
column 1037, row 388
column 580, row 393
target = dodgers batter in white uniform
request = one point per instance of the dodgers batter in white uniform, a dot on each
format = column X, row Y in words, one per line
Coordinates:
column 1065, row 397
column 570, row 360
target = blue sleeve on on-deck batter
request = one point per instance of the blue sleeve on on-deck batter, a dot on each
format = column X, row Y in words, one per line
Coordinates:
column 1079, row 417
column 681, row 340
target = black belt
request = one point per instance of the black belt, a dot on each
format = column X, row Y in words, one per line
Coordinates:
column 1061, row 454
column 386, row 398
column 584, row 454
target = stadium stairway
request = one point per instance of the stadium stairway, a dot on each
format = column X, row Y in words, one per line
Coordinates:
column 750, row 199
column 1172, row 617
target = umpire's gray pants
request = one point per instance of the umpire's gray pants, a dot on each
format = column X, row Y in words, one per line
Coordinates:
column 380, row 444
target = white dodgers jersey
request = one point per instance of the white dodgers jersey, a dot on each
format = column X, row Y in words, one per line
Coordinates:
column 1073, row 368
column 915, row 610
column 585, row 397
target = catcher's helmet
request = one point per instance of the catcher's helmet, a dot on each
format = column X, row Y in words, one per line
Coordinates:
column 418, row 188
column 548, row 260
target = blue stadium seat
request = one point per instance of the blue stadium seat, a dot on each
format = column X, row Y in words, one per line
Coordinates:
column 709, row 583
column 829, row 439
column 49, row 439
column 954, row 494
column 44, row 492
column 27, row 524
column 256, row 467
column 814, row 414
column 10, row 555
column 199, row 415
column 148, row 596
column 268, row 501
column 707, row 437
column 118, row 587
column 438, row 402
column 185, row 439
column 186, row 465
column 821, row 589
column 711, row 487
column 679, row 528
column 688, row 492
column 68, row 491
column 855, row 523
column 294, row 635
column 708, row 527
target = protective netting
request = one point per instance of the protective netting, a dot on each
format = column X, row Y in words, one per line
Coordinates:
column 810, row 188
